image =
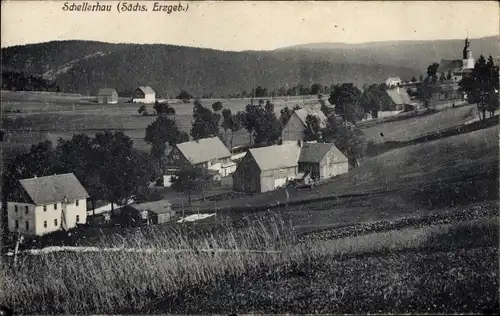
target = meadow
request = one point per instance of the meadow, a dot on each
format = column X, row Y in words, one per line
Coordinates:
column 410, row 269
column 50, row 116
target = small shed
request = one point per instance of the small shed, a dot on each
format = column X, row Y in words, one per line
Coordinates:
column 107, row 95
column 156, row 212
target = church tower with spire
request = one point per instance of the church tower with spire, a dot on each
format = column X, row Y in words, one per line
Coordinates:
column 467, row 59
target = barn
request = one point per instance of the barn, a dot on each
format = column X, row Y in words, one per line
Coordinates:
column 108, row 96
column 322, row 161
column 296, row 125
column 266, row 168
column 144, row 95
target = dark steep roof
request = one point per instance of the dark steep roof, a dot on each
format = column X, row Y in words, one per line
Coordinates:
column 203, row 150
column 449, row 65
column 107, row 91
column 51, row 189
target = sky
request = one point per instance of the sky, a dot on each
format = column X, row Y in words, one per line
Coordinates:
column 262, row 25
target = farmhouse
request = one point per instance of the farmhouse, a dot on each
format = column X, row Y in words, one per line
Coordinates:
column 293, row 130
column 209, row 153
column 46, row 204
column 267, row 168
column 322, row 161
column 458, row 67
column 400, row 101
column 144, row 95
column 393, row 81
column 107, row 95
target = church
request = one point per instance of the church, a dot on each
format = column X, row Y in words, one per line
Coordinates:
column 458, row 67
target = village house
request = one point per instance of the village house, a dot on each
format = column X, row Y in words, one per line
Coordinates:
column 293, row 130
column 144, row 95
column 322, row 161
column 393, row 82
column 107, row 96
column 267, row 168
column 400, row 101
column 209, row 153
column 42, row 205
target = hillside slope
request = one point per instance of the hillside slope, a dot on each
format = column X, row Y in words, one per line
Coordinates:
column 415, row 54
column 83, row 67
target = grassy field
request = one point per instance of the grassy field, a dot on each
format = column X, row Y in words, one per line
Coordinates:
column 409, row 269
column 49, row 116
column 411, row 128
column 467, row 162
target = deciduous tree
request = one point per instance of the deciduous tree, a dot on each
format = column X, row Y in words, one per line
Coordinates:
column 191, row 180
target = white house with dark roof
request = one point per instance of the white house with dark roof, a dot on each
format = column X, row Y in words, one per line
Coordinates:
column 209, row 153
column 46, row 204
column 144, row 94
column 293, row 130
column 393, row 81
column 267, row 168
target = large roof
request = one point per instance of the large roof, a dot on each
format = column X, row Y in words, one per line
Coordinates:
column 157, row 207
column 107, row 91
column 447, row 65
column 276, row 156
column 315, row 152
column 310, row 110
column 52, row 189
column 204, row 150
column 399, row 95
column 147, row 90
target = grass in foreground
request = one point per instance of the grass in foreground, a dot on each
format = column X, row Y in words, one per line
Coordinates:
column 306, row 276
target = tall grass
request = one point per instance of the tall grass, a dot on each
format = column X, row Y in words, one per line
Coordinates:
column 106, row 282
column 120, row 282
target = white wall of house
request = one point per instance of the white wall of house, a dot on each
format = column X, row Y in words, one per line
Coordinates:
column 44, row 219
column 382, row 114
column 148, row 98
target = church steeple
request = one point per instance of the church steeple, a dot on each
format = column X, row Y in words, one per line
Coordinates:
column 467, row 59
column 466, row 49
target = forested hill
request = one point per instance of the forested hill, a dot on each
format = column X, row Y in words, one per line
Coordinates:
column 85, row 66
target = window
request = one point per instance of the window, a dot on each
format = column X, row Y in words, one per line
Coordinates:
column 176, row 157
column 55, row 222
column 55, row 206
column 15, row 208
column 45, row 224
column 78, row 218
column 76, row 202
column 17, row 224
column 45, row 208
column 26, row 209
column 27, row 225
